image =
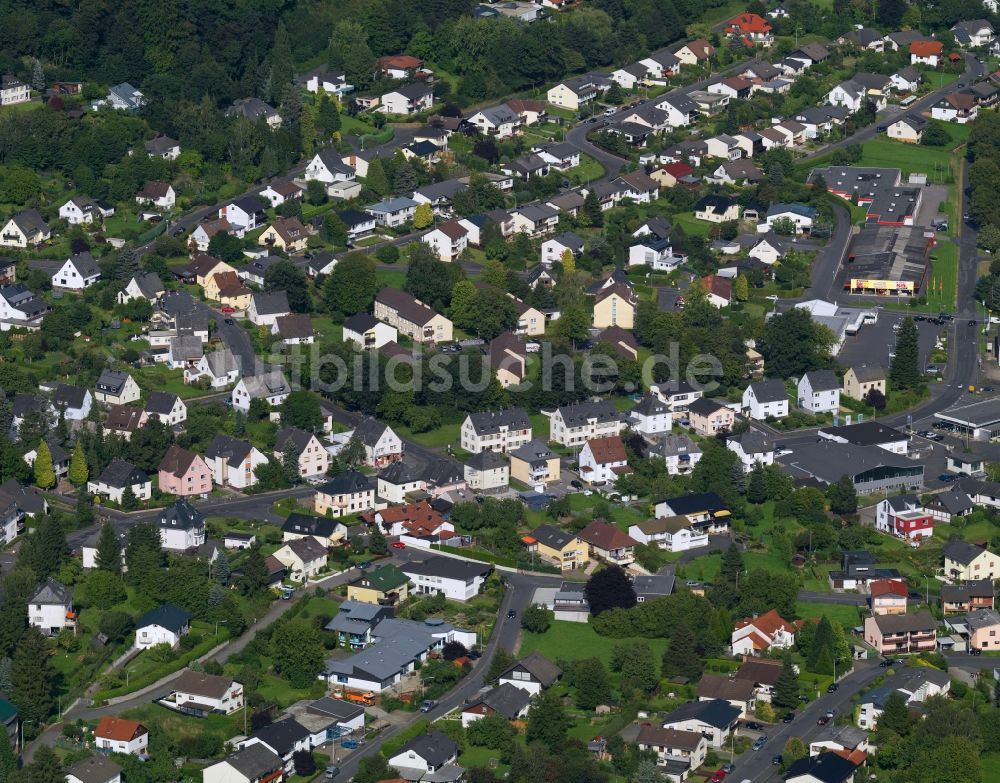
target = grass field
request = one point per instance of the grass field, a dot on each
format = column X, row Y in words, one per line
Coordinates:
column 845, row 615
column 570, row 641
column 394, row 278
column 692, row 225
column 588, row 170
column 935, row 162
column 991, row 767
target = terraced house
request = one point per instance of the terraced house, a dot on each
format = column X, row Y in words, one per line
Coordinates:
column 501, row 431
column 574, row 425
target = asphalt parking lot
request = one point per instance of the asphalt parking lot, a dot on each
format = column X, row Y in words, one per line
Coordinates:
column 874, row 342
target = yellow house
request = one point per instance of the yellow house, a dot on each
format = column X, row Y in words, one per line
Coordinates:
column 614, row 305
column 558, row 547
column 534, row 463
column 287, row 234
column 227, row 289
column 572, row 94
column 530, row 321
column 860, row 380
column 203, row 266
column 965, row 562
column 386, row 586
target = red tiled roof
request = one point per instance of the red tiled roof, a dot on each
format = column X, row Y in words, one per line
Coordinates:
column 882, row 587
column 750, row 23
column 119, row 729
column 926, row 48
column 719, row 286
column 609, row 449
column 768, row 623
column 606, row 536
column 678, row 170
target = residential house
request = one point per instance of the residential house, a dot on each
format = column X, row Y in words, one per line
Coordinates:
column 182, row 526
column 501, row 431
column 355, row 622
column 655, row 252
column 717, row 209
column 752, row 448
column 974, row 33
column 327, row 532
column 965, row 562
column 271, row 386
column 507, row 700
column 615, row 305
column 677, row 752
column 280, row 192
column 168, row 408
column 448, row 241
column 393, row 212
column 20, row 308
column 118, row 476
column 827, row 767
column 487, row 471
column 916, row 685
column 907, row 79
column 382, row 445
column 555, row 248
column 433, row 756
column 714, row 720
column 25, row 229
column 367, row 332
column 708, row 417
column 858, row 571
column 286, row 234
column 718, row 290
column 958, row 107
column 680, row 454
column 95, row 769
column 50, row 608
column 573, row 425
column 254, row 763
column 968, row 596
column 412, row 317
column 294, row 329
column 863, row 378
column 650, row 416
column 255, row 110
column 81, row 210
column 115, row 387
column 558, row 547
column 926, row 53
column 508, row 356
column 752, row 29
column 245, row 213
column 535, row 220
column 760, row 634
column 350, row 492
column 675, row 534
column 201, row 237
column 265, row 308
column 739, row 693
column 763, row 673
column 652, row 586
column 572, row 94
column 303, row 558
column 534, row 463
column 458, row 580
column 500, row 121
column 12, row 91
column 909, row 129
column 200, row 694
column 887, row 596
column 184, row 473
column 398, row 480
column 158, row 194
column 608, row 543
column 533, row 673
column 60, row 458
column 146, row 285
column 312, row 458
column 219, row 368
column 165, row 624
column 386, row 585
column 602, row 460
column 765, row 399
column 949, row 504
column 119, row 735
column 80, row 271
column 328, row 167
column 407, row 99
column 843, row 739
column 896, row 634
column 818, row 391
column 905, row 517
column 694, row 52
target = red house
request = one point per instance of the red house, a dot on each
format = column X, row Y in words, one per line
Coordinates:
column 754, row 29
column 904, row 517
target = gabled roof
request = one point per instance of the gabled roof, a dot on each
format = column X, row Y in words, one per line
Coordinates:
column 881, row 587
column 772, row 390
column 120, row 729
column 308, row 525
column 507, row 699
column 962, row 551
column 52, row 592
column 232, row 450
column 383, row 579
column 538, row 666
column 95, row 769
column 827, row 767
column 607, row 449
column 603, row 535
column 433, row 747
column 120, row 474
column 167, row 616
column 282, row 736
column 270, row 303
column 177, row 461
column 347, row 483
column 255, row 761
column 822, row 380
column 160, row 402
column 490, row 422
column 307, row 549
column 552, row 537
column 717, row 713
column 182, row 515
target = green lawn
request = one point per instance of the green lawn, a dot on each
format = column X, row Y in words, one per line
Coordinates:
column 692, row 225
column 991, row 767
column 588, row 170
column 935, row 162
column 571, row 641
column 845, row 615
column 439, row 437
column 394, row 278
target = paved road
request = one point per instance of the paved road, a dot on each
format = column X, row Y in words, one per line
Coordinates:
column 756, row 765
column 843, row 599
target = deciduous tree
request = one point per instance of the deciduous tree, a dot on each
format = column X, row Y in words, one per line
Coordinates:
column 609, row 588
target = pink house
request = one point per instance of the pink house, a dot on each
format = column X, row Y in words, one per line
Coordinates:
column 184, row 473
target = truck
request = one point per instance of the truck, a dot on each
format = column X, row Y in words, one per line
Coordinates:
column 368, row 699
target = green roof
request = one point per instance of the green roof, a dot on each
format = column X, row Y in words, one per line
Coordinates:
column 7, row 711
column 383, row 579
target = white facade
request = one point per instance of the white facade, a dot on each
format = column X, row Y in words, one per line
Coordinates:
column 374, row 338
column 228, row 703
column 759, row 410
column 240, row 476
column 577, row 435
column 598, row 472
column 751, row 459
column 817, row 400
column 454, row 589
column 143, row 491
column 70, row 277
column 150, row 635
column 651, row 424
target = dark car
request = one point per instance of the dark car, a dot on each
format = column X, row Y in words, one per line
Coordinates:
column 832, row 687
column 789, row 717
column 576, row 484
column 228, row 321
column 885, row 664
column 511, row 614
column 822, row 720
column 972, row 322
column 975, row 651
column 474, row 655
column 913, row 595
column 946, row 477
column 776, row 760
column 882, row 127
column 753, row 725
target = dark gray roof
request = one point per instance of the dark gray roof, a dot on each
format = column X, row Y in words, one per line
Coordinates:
column 533, row 451
column 718, row 713
column 85, row 264
column 369, row 430
column 112, row 381
column 120, row 474
column 953, row 500
column 232, row 450
column 962, row 551
column 181, row 515
column 255, row 761
column 349, row 482
column 552, row 536
column 95, row 769
column 577, row 415
column 167, row 616
column 822, row 380
column 539, row 667
column 447, row 568
column 752, row 442
column 771, row 390
column 299, row 438
column 506, row 699
column 489, row 422
column 271, row 302
column 400, row 472
column 52, row 592
column 307, row 525
column 976, row 588
column 160, row 402
column 70, row 396
column 827, row 767
column 360, row 322
column 486, row 460
column 433, row 747
column 343, row 711
column 282, row 735
column 654, row 585
column 866, row 433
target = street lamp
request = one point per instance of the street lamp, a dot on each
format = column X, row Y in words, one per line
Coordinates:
column 127, row 673
column 217, row 624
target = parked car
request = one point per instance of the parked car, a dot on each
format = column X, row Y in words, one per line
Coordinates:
column 718, row 776
column 975, row 651
column 832, row 687
column 759, row 742
column 822, row 720
column 398, row 545
column 332, row 770
column 885, row 664
column 776, row 760
column 427, row 705
column 753, row 725
column 788, row 718
column 727, row 768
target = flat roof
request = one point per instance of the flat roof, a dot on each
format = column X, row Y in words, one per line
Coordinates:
column 978, row 414
column 893, row 253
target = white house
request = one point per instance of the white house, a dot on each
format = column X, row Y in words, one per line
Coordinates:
column 19, row 307
column 159, row 194
column 327, row 166
column 245, row 213
column 765, row 399
column 271, row 386
column 165, row 624
column 25, row 229
column 266, row 308
column 116, row 477
column 602, row 460
column 448, row 241
column 168, row 408
column 459, row 580
column 198, row 693
column 392, row 212
column 116, row 388
column 554, row 248
column 651, row 416
column 675, row 534
column 715, row 720
column 182, row 526
column 768, row 631
column 498, row 121
column 50, row 608
column 818, row 391
column 904, row 516
column 752, row 448
column 408, row 99
column 219, row 367
column 367, row 332
column 255, row 763
column 146, row 285
column 655, row 252
column 79, row 271
column 680, row 454
column 118, row 735
column 95, row 769
column 573, row 425
column 81, row 210
column 430, row 754
column 532, row 673
column 801, row 216
column 233, row 462
column 74, row 402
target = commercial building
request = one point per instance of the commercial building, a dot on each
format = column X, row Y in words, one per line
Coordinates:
column 887, row 260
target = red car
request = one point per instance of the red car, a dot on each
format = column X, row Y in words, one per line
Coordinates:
column 718, row 776
column 398, row 545
column 227, row 309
